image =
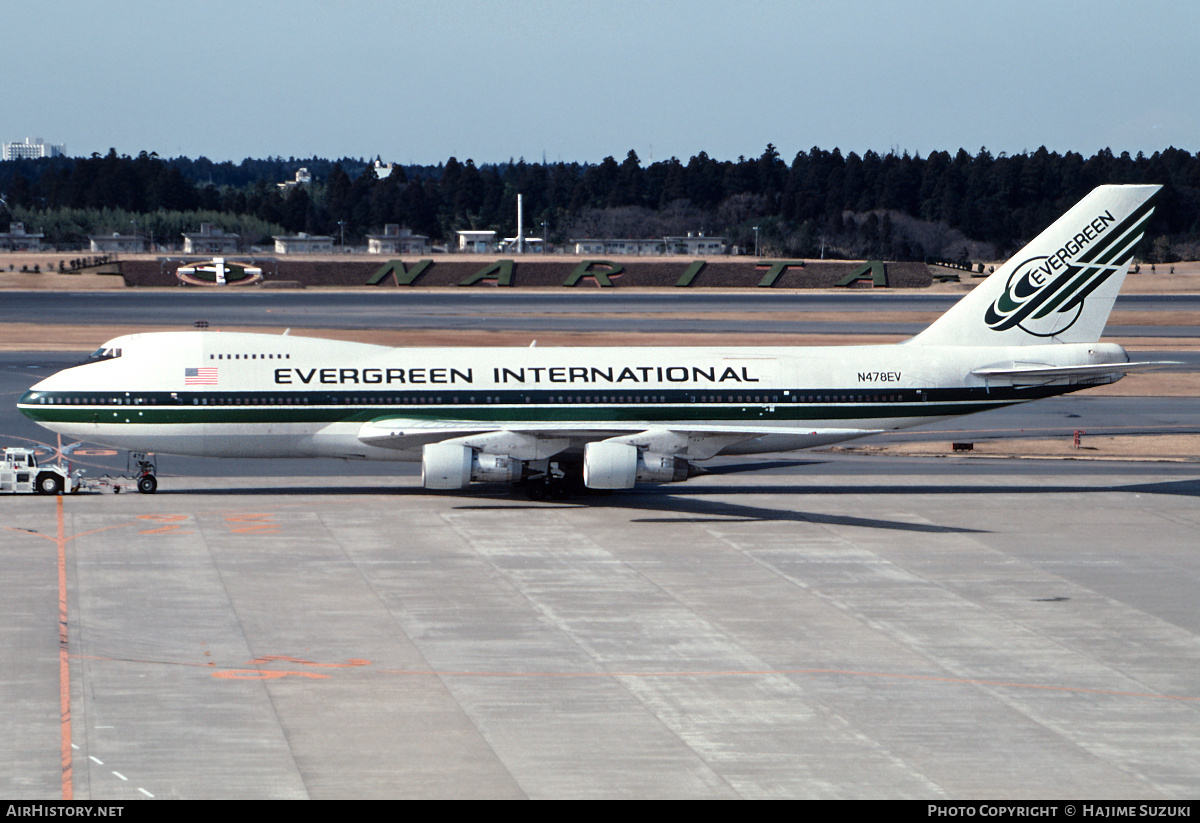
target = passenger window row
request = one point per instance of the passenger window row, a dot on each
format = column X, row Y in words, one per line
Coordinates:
column 249, row 357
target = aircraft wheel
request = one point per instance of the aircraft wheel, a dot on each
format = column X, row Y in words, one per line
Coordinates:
column 536, row 491
column 147, row 484
column 49, row 483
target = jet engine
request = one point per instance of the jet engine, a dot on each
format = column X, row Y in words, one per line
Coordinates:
column 453, row 466
column 612, row 465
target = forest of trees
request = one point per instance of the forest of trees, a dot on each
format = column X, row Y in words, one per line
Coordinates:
column 895, row 206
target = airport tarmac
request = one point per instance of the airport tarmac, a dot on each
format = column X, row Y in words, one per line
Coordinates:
column 804, row 631
column 821, row 624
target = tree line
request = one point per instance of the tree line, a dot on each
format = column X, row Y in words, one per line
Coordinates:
column 896, row 205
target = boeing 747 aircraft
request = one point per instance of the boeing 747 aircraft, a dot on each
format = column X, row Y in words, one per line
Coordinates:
column 609, row 418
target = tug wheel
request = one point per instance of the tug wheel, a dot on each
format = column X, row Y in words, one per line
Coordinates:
column 48, row 483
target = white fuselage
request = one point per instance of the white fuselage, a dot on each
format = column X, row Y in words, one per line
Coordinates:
column 252, row 395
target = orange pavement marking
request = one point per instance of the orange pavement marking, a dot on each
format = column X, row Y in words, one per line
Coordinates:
column 254, row 522
column 171, row 521
column 259, row 674
column 64, row 669
column 351, row 663
column 274, row 674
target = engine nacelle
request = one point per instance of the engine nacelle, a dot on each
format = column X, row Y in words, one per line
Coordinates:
column 610, row 465
column 453, row 466
column 445, row 466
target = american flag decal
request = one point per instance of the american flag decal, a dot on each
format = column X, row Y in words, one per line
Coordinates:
column 203, row 376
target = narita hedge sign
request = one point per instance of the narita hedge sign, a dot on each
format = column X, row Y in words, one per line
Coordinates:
column 602, row 272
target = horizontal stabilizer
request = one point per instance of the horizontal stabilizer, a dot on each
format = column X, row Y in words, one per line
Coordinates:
column 1057, row 372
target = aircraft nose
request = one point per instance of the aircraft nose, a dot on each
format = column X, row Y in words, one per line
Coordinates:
column 28, row 399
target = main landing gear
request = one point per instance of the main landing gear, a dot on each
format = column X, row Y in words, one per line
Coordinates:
column 546, row 489
column 147, row 483
column 561, row 481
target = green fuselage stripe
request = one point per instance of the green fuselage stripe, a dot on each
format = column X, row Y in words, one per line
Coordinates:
column 500, row 406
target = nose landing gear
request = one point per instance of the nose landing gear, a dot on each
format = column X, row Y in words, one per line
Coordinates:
column 147, row 483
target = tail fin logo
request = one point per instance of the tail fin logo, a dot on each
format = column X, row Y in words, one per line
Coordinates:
column 1028, row 300
column 1044, row 295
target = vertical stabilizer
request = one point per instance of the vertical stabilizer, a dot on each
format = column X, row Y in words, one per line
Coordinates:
column 1061, row 287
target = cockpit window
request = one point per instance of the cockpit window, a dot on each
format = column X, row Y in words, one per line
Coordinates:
column 104, row 353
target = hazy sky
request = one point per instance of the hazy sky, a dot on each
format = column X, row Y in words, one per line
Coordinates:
column 419, row 82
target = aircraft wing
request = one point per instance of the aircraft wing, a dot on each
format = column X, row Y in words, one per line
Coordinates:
column 541, row 439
